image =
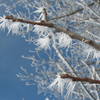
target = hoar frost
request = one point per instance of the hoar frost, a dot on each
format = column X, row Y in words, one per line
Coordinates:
column 14, row 27
column 40, row 11
column 59, row 40
column 63, row 40
column 4, row 23
column 43, row 43
column 95, row 53
column 62, row 84
column 41, row 30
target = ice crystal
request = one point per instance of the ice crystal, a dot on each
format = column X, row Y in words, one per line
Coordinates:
column 40, row 10
column 75, row 15
column 14, row 27
column 63, row 40
column 62, row 84
column 4, row 23
column 95, row 53
column 43, row 43
column 40, row 30
column 58, row 83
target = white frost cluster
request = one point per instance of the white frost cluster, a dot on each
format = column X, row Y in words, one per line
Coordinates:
column 63, row 40
column 62, row 84
column 41, row 30
column 58, row 83
column 4, row 23
column 14, row 27
column 96, row 54
column 93, row 52
column 43, row 43
column 39, row 10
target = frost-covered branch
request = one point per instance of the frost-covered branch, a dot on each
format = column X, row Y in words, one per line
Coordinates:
column 72, row 13
column 58, row 28
column 65, row 51
column 72, row 70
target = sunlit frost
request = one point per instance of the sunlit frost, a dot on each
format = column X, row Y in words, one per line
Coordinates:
column 39, row 10
column 4, row 23
column 43, row 43
column 63, row 40
column 41, row 30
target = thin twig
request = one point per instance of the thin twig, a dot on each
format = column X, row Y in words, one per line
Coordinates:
column 74, row 12
column 89, row 80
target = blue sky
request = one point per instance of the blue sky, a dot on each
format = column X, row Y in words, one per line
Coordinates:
column 11, row 49
column 11, row 88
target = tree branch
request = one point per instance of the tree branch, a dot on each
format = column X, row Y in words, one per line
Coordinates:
column 72, row 13
column 89, row 80
column 58, row 28
column 41, row 23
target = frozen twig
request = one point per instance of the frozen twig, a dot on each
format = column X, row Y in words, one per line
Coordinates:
column 72, row 13
column 58, row 28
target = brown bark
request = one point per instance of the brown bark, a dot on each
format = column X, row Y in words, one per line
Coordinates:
column 89, row 80
column 58, row 28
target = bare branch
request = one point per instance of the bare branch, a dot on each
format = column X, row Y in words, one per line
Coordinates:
column 89, row 80
column 41, row 23
column 72, row 13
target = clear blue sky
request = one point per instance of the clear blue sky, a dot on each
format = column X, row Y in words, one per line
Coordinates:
column 11, row 88
column 11, row 49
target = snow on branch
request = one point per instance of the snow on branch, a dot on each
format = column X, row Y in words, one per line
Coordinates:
column 14, row 27
column 58, row 28
column 41, row 23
